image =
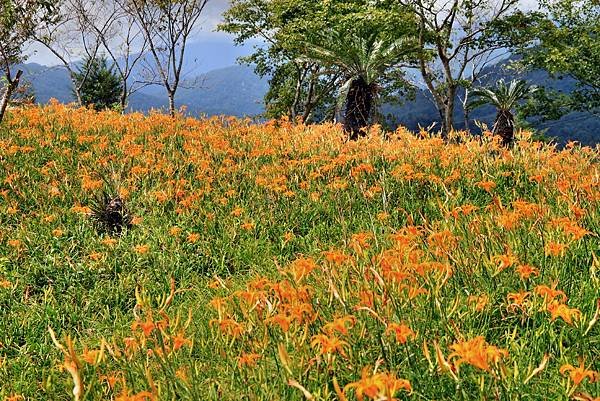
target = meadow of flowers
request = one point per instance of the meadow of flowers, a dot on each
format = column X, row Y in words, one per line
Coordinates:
column 281, row 262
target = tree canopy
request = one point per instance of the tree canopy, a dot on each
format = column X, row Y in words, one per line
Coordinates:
column 18, row 20
column 101, row 87
column 563, row 38
column 300, row 84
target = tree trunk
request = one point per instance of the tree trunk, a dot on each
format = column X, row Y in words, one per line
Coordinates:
column 504, row 126
column 10, row 88
column 297, row 93
column 171, row 104
column 123, row 99
column 76, row 89
column 466, row 111
column 448, row 114
column 358, row 108
column 309, row 103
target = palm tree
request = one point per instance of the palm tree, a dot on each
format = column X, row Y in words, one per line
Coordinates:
column 363, row 60
column 505, row 97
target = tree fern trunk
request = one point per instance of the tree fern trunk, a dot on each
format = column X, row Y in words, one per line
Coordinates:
column 359, row 104
column 504, row 126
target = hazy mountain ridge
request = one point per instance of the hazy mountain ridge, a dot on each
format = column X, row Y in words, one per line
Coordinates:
column 234, row 90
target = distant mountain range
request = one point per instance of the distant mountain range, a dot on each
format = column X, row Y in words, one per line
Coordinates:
column 234, row 90
column 237, row 91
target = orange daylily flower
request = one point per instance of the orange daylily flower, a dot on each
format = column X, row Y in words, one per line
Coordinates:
column 288, row 236
column 480, row 301
column 280, row 320
column 517, row 299
column 249, row 360
column 579, row 373
column 526, row 271
column 558, row 309
column 383, row 216
column 229, row 327
column 329, row 344
column 179, row 341
column 110, row 379
column 237, row 212
column 336, row 257
column 378, row 386
column 486, row 185
column 550, row 294
column 141, row 249
column 247, row 226
column 131, row 345
column 301, row 312
column 14, row 397
column 109, row 241
column 192, row 238
column 341, row 325
column 401, row 331
column 585, row 397
column 175, row 231
column 14, row 243
column 442, row 242
column 141, row 396
column 361, row 241
column 555, row 249
column 147, row 326
column 301, row 268
column 91, row 357
column 505, row 261
column 476, row 352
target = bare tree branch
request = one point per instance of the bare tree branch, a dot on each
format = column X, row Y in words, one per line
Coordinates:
column 167, row 27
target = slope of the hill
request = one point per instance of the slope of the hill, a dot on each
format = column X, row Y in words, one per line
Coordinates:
column 282, row 262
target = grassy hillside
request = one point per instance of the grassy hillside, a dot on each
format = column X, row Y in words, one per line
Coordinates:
column 274, row 261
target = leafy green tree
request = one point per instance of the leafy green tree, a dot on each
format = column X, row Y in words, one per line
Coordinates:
column 505, row 97
column 300, row 86
column 297, row 89
column 563, row 39
column 99, row 85
column 18, row 20
column 301, row 90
